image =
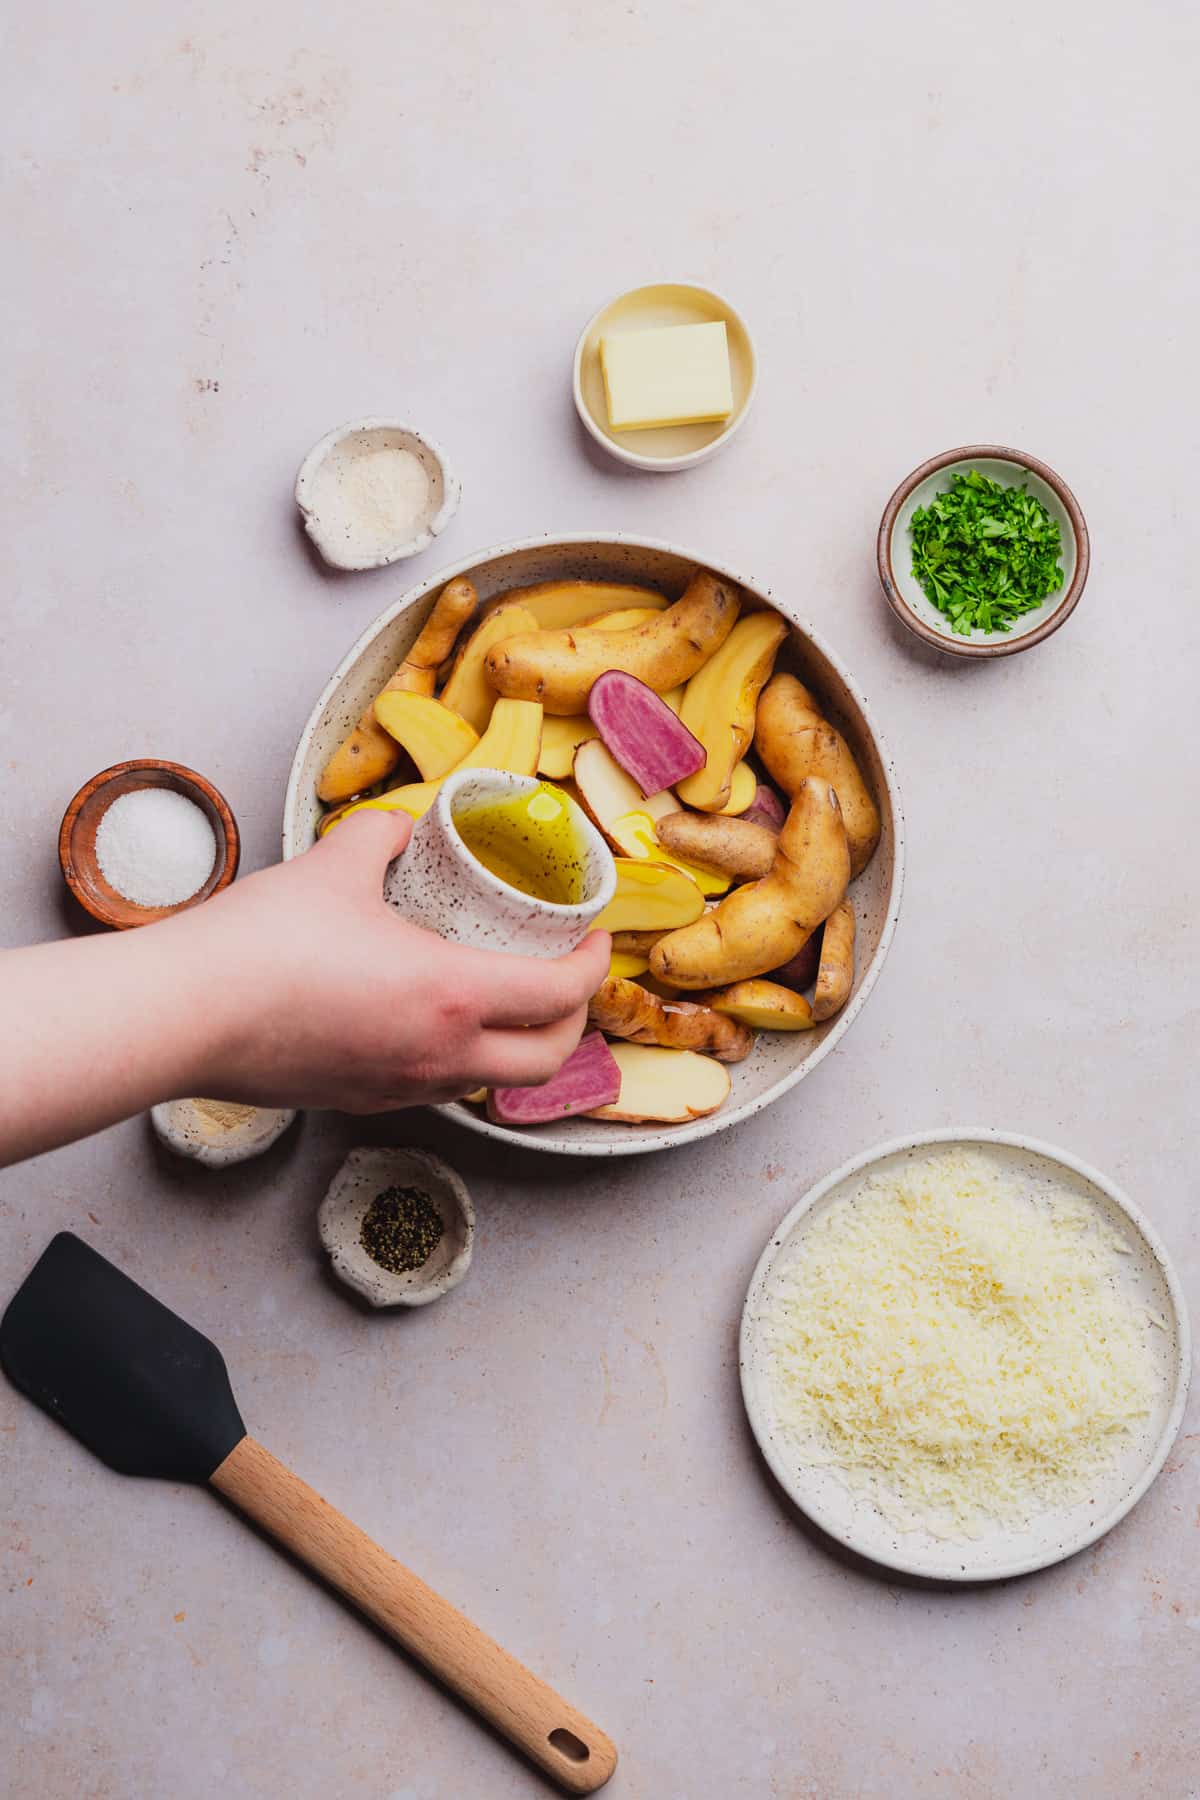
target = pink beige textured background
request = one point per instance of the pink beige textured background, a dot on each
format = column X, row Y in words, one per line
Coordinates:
column 226, row 234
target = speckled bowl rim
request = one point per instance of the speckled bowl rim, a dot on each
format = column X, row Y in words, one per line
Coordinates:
column 1001, row 645
column 984, row 1135
column 636, row 1141
column 638, row 459
column 451, row 491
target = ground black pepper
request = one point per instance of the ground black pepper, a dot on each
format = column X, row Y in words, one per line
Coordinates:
column 401, row 1229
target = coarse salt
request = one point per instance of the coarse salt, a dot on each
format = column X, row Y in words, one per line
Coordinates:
column 155, row 847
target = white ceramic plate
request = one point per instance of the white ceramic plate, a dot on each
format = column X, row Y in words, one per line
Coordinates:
column 779, row 1059
column 849, row 1516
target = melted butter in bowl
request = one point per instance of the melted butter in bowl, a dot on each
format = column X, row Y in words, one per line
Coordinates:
column 530, row 841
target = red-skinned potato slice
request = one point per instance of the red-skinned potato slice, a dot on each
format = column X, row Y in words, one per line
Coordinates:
column 642, row 732
column 589, row 1078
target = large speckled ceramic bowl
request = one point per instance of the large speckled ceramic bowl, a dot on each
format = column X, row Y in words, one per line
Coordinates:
column 437, row 883
column 778, row 1060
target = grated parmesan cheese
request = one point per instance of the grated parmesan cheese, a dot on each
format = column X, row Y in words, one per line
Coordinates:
column 958, row 1343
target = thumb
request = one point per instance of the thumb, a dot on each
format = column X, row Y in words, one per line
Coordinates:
column 361, row 846
column 591, row 958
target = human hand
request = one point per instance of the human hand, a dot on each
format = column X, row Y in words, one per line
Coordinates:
column 335, row 1000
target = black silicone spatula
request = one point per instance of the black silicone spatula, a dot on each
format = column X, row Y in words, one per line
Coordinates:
column 151, row 1396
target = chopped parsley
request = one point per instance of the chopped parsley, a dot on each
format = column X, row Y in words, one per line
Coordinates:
column 985, row 554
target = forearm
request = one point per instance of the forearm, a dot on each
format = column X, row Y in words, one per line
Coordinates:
column 97, row 1029
column 298, row 986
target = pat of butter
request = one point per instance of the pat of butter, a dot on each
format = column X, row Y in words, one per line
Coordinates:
column 676, row 375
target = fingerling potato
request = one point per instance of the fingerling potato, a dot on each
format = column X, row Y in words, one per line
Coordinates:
column 557, row 668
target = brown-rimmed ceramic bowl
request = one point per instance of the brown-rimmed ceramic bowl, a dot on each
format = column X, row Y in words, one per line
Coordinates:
column 77, row 839
column 904, row 593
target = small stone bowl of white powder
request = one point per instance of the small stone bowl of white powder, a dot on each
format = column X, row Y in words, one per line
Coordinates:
column 146, row 839
column 373, row 492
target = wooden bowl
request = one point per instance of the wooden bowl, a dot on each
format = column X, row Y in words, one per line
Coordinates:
column 779, row 1059
column 903, row 591
column 77, row 839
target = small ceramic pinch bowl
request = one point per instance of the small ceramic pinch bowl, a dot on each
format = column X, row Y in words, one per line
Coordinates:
column 1012, row 468
column 216, row 1134
column 77, row 839
column 439, row 885
column 663, row 449
column 349, row 481
column 369, row 1172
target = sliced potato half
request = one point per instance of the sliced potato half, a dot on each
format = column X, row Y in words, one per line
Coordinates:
column 607, row 793
column 764, row 1006
column 561, row 737
column 663, row 1086
column 650, row 897
column 467, row 692
column 436, row 737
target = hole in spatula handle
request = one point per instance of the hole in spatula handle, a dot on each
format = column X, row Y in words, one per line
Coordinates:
column 566, row 1742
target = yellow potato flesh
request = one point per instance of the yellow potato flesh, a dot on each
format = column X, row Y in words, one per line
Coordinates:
column 764, row 1006
column 557, row 604
column 650, row 897
column 633, row 834
column 561, row 737
column 511, row 743
column 667, row 1086
column 608, row 792
column 624, row 620
column 743, row 786
column 627, row 965
column 467, row 690
column 436, row 738
column 719, row 706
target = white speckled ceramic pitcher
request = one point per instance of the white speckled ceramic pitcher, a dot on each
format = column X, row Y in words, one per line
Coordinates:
column 437, row 882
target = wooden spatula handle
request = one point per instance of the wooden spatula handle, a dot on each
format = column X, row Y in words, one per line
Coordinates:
column 552, row 1734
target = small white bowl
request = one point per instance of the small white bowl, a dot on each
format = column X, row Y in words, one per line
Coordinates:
column 849, row 1515
column 665, row 448
column 336, row 516
column 366, row 1173
column 196, row 1129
